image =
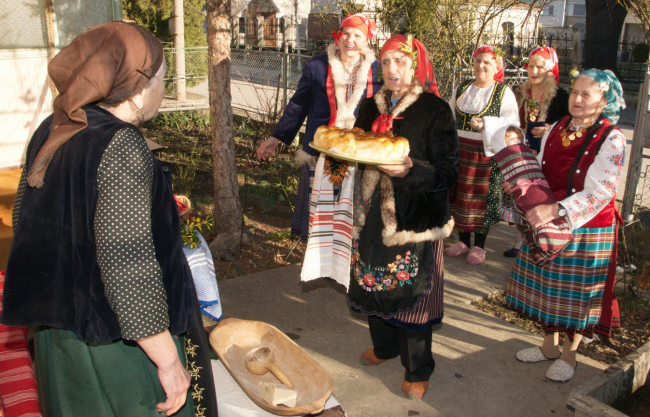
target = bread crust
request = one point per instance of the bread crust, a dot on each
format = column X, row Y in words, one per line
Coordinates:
column 362, row 145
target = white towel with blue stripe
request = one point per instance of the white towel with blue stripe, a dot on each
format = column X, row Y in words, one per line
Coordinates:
column 205, row 279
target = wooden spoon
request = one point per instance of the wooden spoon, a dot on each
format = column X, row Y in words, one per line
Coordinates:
column 261, row 360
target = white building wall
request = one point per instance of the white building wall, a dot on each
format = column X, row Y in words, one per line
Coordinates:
column 22, row 78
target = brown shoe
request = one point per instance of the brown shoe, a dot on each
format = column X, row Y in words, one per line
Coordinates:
column 415, row 390
column 368, row 358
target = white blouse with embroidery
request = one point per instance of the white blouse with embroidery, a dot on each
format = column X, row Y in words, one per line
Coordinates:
column 474, row 100
column 601, row 181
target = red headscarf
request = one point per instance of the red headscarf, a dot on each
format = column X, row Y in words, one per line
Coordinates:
column 423, row 71
column 550, row 56
column 420, row 56
column 358, row 21
column 489, row 49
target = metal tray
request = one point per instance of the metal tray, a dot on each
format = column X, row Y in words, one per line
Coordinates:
column 353, row 159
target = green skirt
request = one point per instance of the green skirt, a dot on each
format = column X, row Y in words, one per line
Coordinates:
column 112, row 379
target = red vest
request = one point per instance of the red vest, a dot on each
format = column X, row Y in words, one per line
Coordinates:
column 565, row 176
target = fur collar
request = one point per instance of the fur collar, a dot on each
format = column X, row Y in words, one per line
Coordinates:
column 345, row 109
column 372, row 178
column 382, row 98
column 522, row 91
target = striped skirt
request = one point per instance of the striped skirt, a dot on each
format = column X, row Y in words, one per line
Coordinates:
column 476, row 200
column 567, row 292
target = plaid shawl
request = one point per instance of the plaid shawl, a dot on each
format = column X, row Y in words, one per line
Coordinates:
column 530, row 188
column 330, row 228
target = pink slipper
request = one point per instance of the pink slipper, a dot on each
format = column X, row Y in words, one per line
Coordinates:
column 457, row 249
column 476, row 256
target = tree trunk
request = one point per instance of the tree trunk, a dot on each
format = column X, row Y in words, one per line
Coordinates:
column 605, row 19
column 228, row 211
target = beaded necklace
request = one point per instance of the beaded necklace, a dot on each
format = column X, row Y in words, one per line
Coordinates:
column 533, row 106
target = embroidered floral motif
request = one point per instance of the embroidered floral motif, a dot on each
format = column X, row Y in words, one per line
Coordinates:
column 197, row 392
column 336, row 170
column 398, row 273
column 609, row 185
column 617, row 160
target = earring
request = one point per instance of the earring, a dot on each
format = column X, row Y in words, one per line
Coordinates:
column 139, row 114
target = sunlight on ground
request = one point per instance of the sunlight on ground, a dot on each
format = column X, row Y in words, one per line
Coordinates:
column 453, row 349
column 291, row 297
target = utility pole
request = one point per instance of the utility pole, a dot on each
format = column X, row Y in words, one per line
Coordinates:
column 179, row 51
column 295, row 14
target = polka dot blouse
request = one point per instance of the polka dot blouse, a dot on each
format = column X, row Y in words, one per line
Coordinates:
column 125, row 251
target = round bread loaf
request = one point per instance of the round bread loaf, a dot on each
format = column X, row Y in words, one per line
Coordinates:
column 358, row 144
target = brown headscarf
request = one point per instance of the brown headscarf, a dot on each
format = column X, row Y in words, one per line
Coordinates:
column 110, row 61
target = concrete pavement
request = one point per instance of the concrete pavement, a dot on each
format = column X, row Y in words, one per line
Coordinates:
column 476, row 372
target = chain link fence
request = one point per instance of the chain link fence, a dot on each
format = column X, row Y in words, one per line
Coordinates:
column 256, row 69
column 264, row 69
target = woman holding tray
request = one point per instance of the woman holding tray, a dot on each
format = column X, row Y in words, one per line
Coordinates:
column 482, row 106
column 541, row 102
column 582, row 157
column 401, row 215
column 328, row 93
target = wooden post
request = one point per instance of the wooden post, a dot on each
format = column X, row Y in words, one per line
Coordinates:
column 636, row 157
column 285, row 73
column 179, row 51
column 51, row 36
column 576, row 46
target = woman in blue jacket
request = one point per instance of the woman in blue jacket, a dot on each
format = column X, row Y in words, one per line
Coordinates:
column 328, row 93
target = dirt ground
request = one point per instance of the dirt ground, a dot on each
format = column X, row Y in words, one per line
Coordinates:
column 633, row 333
column 268, row 189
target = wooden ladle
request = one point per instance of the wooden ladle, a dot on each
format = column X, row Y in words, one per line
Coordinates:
column 261, row 360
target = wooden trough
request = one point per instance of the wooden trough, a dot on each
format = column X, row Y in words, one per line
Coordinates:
column 234, row 338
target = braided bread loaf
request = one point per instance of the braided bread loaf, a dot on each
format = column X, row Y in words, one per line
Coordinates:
column 362, row 145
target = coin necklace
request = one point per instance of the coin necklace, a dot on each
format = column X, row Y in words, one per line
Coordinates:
column 533, row 106
column 567, row 137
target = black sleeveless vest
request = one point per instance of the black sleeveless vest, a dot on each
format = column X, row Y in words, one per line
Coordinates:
column 53, row 277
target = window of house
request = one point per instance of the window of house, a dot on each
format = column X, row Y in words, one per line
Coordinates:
column 242, row 25
column 579, row 10
column 550, row 11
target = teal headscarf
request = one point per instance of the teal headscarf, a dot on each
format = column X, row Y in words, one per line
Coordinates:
column 611, row 88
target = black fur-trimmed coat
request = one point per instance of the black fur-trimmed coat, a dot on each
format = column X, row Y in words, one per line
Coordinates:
column 414, row 208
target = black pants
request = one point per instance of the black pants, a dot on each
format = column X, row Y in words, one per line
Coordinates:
column 479, row 238
column 411, row 345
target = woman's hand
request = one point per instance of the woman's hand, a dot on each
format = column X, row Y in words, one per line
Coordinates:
column 267, row 148
column 175, row 380
column 542, row 214
column 506, row 187
column 539, row 131
column 398, row 171
column 477, row 123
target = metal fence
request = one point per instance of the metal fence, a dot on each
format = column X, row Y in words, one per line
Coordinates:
column 632, row 54
column 263, row 68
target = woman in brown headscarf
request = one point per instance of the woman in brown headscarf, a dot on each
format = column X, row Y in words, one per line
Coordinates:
column 97, row 256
